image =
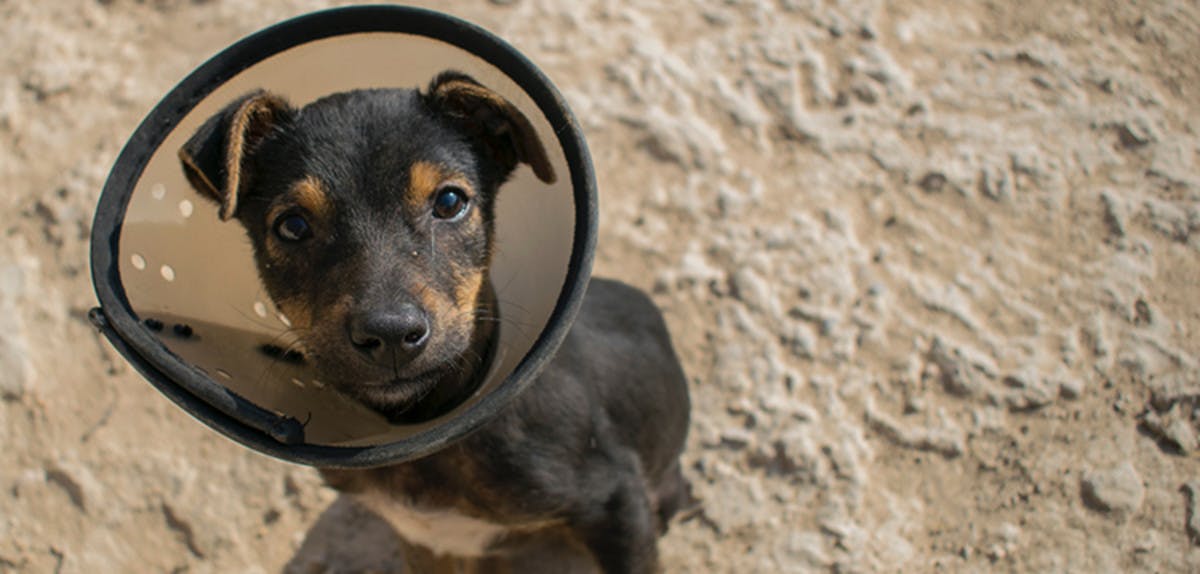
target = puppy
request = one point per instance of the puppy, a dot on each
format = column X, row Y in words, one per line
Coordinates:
column 371, row 214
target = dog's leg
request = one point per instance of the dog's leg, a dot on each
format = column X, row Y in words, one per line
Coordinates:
column 620, row 532
column 672, row 495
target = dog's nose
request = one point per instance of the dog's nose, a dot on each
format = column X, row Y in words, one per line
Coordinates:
column 398, row 334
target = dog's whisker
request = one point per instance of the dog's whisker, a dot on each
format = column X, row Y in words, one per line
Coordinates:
column 256, row 320
column 513, row 304
column 276, row 362
column 485, row 315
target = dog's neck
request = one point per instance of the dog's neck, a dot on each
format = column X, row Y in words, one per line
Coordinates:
column 458, row 386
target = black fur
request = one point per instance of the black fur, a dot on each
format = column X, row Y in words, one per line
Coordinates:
column 590, row 451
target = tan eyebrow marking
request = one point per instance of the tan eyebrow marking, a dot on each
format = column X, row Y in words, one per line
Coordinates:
column 310, row 194
column 424, row 178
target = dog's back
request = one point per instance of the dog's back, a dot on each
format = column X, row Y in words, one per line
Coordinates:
column 620, row 352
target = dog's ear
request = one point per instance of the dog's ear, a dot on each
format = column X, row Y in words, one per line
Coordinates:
column 507, row 133
column 215, row 158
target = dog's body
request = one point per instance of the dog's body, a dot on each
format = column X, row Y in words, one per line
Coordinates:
column 597, row 459
column 393, row 193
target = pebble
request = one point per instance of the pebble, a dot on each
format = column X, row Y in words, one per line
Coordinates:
column 932, row 182
column 1071, row 388
column 954, row 374
column 736, row 438
column 802, row 341
column 947, row 440
column 750, row 288
column 1135, row 133
column 1172, row 220
column 1168, row 389
column 1174, row 427
column 1114, row 214
column 1029, row 398
column 1117, row 490
column 995, row 183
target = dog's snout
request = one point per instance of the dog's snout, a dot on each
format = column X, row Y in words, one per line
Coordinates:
column 398, row 334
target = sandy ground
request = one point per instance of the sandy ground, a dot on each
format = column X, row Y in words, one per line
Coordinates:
column 933, row 268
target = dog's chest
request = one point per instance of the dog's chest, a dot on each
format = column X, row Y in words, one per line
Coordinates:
column 442, row 530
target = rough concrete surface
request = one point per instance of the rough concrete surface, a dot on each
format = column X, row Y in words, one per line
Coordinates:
column 933, row 268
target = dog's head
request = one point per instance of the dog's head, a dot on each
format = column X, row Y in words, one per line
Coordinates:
column 371, row 217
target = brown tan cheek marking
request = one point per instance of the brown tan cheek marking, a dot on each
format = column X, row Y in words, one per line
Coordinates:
column 328, row 333
column 430, row 302
column 467, row 292
column 298, row 311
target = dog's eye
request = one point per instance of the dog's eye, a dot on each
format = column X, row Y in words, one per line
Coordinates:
column 292, row 227
column 450, row 202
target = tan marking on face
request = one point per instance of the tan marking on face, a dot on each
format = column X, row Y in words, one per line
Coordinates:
column 298, row 311
column 430, row 302
column 466, row 293
column 310, row 194
column 424, row 178
column 320, row 329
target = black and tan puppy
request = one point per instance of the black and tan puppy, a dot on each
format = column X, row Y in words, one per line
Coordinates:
column 371, row 216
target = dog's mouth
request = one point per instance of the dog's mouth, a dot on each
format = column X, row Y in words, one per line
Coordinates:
column 400, row 391
column 411, row 383
column 411, row 393
column 395, row 381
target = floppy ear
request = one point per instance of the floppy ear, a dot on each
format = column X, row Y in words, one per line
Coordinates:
column 214, row 159
column 506, row 132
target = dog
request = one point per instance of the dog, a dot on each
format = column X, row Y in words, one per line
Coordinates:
column 371, row 214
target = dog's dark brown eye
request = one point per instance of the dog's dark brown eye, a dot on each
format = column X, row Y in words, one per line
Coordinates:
column 292, row 228
column 450, row 202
